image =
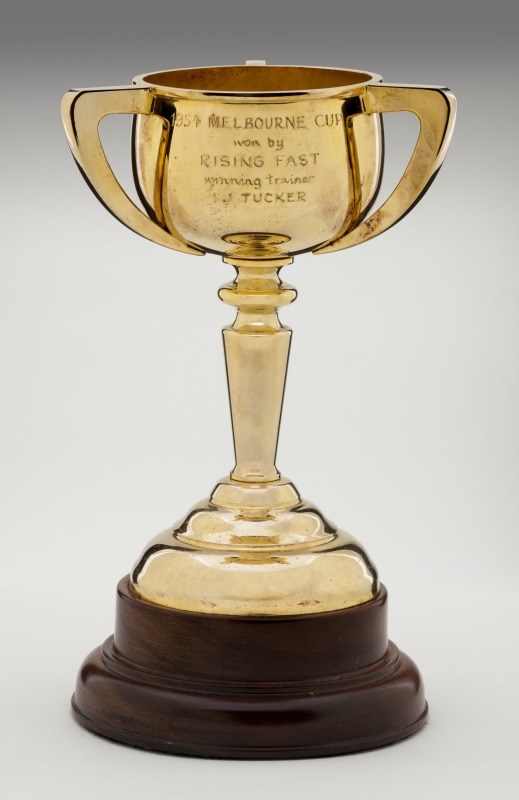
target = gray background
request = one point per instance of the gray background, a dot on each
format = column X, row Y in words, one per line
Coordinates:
column 400, row 418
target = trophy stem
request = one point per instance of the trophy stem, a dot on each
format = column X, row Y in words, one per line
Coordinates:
column 254, row 546
column 256, row 348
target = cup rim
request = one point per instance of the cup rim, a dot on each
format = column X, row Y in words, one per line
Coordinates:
column 164, row 80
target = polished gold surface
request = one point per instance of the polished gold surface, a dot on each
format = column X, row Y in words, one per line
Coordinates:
column 254, row 546
column 257, row 164
column 246, row 561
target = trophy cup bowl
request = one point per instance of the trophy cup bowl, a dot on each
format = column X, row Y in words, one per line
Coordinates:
column 254, row 626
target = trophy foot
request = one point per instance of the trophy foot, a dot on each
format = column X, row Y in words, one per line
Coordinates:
column 255, row 549
column 256, row 687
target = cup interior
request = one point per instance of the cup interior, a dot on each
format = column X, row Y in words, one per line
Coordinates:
column 261, row 80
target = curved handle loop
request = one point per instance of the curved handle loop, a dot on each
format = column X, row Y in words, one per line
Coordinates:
column 435, row 108
column 82, row 111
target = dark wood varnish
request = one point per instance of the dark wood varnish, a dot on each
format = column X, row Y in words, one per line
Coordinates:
column 249, row 687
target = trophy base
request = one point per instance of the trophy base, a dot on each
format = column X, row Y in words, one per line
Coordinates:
column 258, row 687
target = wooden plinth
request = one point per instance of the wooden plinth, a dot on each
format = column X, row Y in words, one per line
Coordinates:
column 249, row 687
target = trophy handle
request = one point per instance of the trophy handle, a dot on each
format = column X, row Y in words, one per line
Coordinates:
column 82, row 111
column 435, row 108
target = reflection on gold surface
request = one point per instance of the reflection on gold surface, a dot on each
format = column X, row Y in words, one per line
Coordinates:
column 294, row 562
column 257, row 164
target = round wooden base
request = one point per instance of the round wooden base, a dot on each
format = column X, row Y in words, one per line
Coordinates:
column 249, row 687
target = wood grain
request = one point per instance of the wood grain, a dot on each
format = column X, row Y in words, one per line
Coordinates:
column 249, row 687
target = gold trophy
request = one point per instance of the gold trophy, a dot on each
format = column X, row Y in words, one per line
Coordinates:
column 254, row 627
